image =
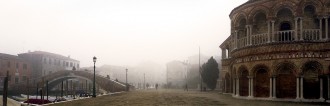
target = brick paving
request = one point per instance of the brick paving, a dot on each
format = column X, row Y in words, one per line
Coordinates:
column 175, row 98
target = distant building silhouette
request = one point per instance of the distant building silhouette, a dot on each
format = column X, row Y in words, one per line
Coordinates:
column 44, row 63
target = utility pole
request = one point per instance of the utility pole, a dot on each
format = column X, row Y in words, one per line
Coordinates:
column 144, row 81
column 126, row 80
column 167, row 76
column 47, row 89
column 199, row 66
column 62, row 89
column 28, row 90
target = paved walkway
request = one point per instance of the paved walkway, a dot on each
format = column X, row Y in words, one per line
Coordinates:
column 175, row 98
column 10, row 102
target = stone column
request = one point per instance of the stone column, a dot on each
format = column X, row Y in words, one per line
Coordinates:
column 233, row 85
column 274, row 87
column 224, row 54
column 236, row 38
column 237, row 86
column 271, row 87
column 320, row 34
column 250, row 27
column 301, row 29
column 249, row 87
column 252, row 87
column 326, row 28
column 328, row 87
column 302, row 87
column 321, row 89
column 296, row 29
column 268, row 25
column 247, row 35
column 273, row 30
column 224, row 86
column 297, row 90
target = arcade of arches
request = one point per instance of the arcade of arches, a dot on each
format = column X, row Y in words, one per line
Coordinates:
column 284, row 80
column 278, row 49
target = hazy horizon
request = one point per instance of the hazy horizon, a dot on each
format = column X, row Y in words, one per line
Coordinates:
column 123, row 33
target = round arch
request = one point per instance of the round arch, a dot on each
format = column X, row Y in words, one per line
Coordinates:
column 315, row 3
column 311, row 72
column 262, row 80
column 239, row 17
column 286, row 4
column 260, row 23
column 243, row 74
column 227, row 83
column 286, row 80
column 259, row 9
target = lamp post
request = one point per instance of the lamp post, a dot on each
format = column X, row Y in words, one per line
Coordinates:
column 126, row 80
column 94, row 60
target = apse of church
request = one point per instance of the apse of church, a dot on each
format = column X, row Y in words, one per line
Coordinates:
column 278, row 49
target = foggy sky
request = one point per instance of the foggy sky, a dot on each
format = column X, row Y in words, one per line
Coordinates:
column 118, row 32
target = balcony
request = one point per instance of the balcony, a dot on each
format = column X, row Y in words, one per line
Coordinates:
column 306, row 35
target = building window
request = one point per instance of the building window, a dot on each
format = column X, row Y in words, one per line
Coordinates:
column 59, row 62
column 50, row 61
column 24, row 66
column 16, row 80
column 67, row 64
column 77, row 65
column 50, row 72
column 45, row 60
column 24, row 78
column 8, row 64
column 17, row 65
column 63, row 63
column 70, row 64
column 9, row 78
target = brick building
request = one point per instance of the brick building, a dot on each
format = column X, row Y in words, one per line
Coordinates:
column 19, row 70
column 278, row 49
column 44, row 63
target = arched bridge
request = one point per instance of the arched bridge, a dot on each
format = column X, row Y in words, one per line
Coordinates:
column 104, row 83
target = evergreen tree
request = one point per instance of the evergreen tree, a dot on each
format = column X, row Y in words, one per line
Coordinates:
column 210, row 73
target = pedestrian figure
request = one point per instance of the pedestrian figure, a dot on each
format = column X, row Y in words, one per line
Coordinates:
column 156, row 86
column 186, row 87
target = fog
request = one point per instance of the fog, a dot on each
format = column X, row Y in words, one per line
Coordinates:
column 118, row 32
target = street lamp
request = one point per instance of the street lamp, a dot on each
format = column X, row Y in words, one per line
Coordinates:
column 94, row 60
column 126, row 81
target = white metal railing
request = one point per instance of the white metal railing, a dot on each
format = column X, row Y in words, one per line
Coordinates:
column 259, row 38
column 284, row 36
column 311, row 34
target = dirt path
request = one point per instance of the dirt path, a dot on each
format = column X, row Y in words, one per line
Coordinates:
column 173, row 98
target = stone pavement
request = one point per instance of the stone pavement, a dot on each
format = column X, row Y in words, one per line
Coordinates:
column 176, row 98
column 10, row 102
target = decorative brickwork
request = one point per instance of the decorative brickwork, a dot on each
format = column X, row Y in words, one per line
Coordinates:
column 278, row 49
